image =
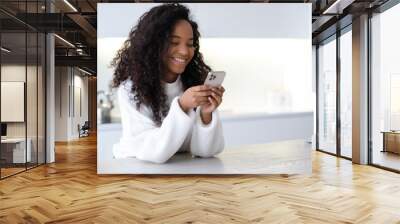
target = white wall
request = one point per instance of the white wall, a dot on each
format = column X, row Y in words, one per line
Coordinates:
column 61, row 103
column 258, row 76
column 12, row 101
column 70, row 83
column 258, row 129
column 17, row 72
column 284, row 20
column 33, row 125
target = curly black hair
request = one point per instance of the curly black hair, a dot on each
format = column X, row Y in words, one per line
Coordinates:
column 140, row 58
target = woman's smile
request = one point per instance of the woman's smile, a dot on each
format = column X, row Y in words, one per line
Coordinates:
column 179, row 60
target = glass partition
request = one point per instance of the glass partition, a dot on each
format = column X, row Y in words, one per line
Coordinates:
column 385, row 89
column 13, row 95
column 31, row 97
column 22, row 88
column 346, row 93
column 327, row 95
column 41, row 96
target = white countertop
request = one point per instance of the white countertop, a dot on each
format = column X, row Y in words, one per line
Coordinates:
column 226, row 116
column 285, row 157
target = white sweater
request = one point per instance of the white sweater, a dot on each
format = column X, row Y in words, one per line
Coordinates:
column 141, row 138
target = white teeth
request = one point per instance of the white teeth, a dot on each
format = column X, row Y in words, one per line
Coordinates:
column 179, row 60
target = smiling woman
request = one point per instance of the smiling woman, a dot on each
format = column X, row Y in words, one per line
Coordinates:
column 159, row 74
column 180, row 52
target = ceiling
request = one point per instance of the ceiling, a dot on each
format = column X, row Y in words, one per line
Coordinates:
column 76, row 21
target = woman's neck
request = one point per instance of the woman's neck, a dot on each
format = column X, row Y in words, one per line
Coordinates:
column 170, row 78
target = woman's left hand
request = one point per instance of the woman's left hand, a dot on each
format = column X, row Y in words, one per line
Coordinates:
column 213, row 101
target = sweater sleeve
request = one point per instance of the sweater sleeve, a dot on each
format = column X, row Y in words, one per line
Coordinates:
column 142, row 139
column 207, row 140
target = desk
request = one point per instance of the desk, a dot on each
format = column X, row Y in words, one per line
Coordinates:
column 391, row 141
column 15, row 148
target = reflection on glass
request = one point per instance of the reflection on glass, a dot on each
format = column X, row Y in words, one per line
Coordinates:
column 386, row 89
column 13, row 84
column 31, row 101
column 395, row 102
column 327, row 96
column 41, row 99
column 105, row 106
column 346, row 94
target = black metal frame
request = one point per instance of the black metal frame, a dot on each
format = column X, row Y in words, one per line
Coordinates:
column 26, row 88
column 37, row 92
column 369, row 91
column 317, row 97
column 45, row 90
column 338, row 97
column 0, row 92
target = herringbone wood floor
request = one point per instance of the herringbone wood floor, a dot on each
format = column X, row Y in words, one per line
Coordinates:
column 70, row 191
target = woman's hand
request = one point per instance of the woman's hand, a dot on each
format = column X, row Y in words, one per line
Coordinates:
column 213, row 102
column 195, row 96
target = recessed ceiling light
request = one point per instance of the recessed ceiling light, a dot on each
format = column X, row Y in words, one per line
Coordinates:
column 70, row 5
column 5, row 50
column 64, row 40
column 86, row 72
column 337, row 7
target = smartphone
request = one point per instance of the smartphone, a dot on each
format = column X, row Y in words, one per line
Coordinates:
column 215, row 78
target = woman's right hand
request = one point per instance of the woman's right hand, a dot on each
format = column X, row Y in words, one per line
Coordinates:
column 194, row 96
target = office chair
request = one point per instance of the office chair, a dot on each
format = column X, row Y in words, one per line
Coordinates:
column 84, row 130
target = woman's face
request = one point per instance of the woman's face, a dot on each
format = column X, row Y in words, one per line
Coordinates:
column 180, row 50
